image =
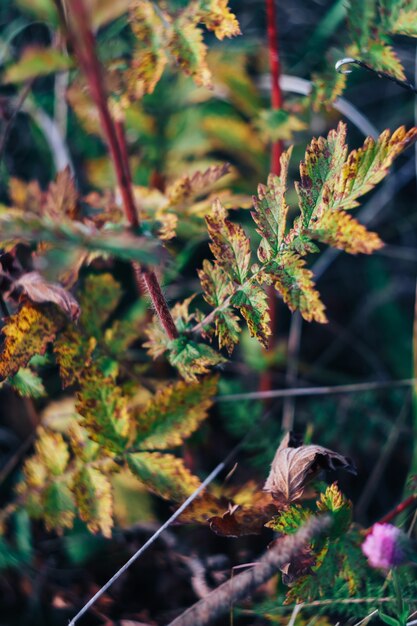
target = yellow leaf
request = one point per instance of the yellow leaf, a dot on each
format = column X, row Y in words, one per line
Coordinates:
column 163, row 474
column 174, row 414
column 28, row 332
column 93, row 495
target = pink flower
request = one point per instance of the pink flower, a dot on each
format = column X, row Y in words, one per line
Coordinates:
column 385, row 546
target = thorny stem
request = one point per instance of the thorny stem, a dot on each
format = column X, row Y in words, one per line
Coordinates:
column 83, row 42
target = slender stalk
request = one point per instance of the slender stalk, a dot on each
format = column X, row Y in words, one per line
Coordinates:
column 276, row 151
column 274, row 62
column 83, row 43
column 398, row 509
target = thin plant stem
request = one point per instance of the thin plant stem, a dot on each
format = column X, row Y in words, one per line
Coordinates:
column 83, row 42
column 318, row 391
column 276, row 151
column 398, row 509
column 275, row 69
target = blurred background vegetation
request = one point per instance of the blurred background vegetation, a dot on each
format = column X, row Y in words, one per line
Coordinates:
column 370, row 301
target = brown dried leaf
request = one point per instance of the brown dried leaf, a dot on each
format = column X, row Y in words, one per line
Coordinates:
column 62, row 196
column 293, row 467
column 244, row 520
column 40, row 290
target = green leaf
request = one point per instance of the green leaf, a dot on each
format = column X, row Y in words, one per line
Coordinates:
column 34, row 62
column 100, row 296
column 27, row 384
column 192, row 359
column 271, row 210
column 289, row 521
column 174, row 414
column 361, row 17
column 25, row 227
column 58, row 506
column 163, row 474
column 387, row 619
column 382, row 57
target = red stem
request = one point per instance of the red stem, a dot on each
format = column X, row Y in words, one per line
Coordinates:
column 275, row 67
column 84, row 47
column 276, row 150
column 398, row 509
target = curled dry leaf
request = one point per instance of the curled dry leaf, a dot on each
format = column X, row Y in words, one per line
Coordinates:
column 39, row 290
column 294, row 465
column 244, row 520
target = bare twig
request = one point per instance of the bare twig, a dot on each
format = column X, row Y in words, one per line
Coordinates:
column 217, row 603
column 318, row 391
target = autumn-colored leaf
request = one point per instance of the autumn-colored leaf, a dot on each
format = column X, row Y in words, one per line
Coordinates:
column 294, row 281
column 404, row 23
column 217, row 288
column 244, row 520
column 216, row 16
column 28, row 332
column 104, row 410
column 173, row 414
column 271, row 210
column 149, row 56
column 73, row 353
column 163, row 474
column 322, row 162
column 93, row 495
column 100, row 295
column 192, row 359
column 339, row 229
column 62, row 196
column 189, row 51
column 37, row 289
column 52, row 451
column 191, row 186
column 367, row 166
column 333, row 501
column 252, row 302
column 36, row 61
column 230, row 245
column 292, row 468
